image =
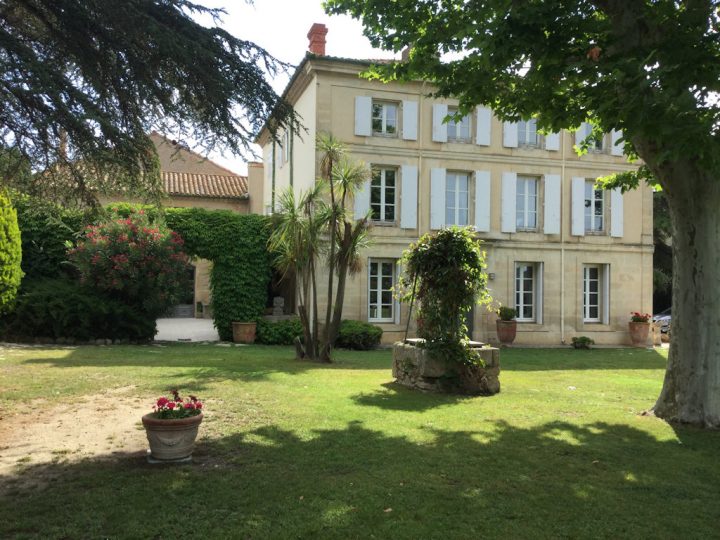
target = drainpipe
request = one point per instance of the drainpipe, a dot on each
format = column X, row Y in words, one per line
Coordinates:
column 272, row 194
column 563, row 220
column 292, row 154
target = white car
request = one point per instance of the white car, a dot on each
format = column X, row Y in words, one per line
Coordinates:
column 664, row 318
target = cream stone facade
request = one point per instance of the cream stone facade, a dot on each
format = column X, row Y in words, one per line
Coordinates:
column 573, row 260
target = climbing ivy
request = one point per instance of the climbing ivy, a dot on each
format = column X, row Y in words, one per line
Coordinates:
column 236, row 245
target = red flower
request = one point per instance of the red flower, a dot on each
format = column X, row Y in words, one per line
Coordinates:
column 189, row 406
column 171, row 405
column 198, row 405
column 162, row 402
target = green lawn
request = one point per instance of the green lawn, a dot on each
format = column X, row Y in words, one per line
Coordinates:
column 295, row 450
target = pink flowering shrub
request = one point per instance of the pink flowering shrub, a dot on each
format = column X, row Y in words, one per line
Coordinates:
column 131, row 260
column 636, row 316
column 177, row 407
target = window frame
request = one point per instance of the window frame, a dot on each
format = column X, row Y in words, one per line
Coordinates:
column 592, row 207
column 586, row 305
column 519, row 293
column 378, row 292
column 467, row 119
column 456, row 193
column 384, row 117
column 382, row 170
column 522, row 134
column 526, row 179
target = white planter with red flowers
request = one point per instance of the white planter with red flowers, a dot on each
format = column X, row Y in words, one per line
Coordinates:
column 172, row 428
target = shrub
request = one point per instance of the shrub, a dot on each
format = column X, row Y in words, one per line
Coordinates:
column 582, row 342
column 507, row 313
column 358, row 335
column 10, row 254
column 45, row 229
column 278, row 333
column 60, row 308
column 134, row 262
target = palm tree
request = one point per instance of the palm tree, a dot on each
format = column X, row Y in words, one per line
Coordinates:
column 312, row 229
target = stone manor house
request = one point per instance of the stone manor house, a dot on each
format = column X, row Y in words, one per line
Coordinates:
column 573, row 260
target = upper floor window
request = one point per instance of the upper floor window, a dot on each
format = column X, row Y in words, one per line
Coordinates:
column 526, row 203
column 382, row 194
column 527, row 133
column 456, row 199
column 384, row 118
column 594, row 208
column 458, row 131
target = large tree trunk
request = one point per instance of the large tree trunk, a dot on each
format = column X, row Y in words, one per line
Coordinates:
column 691, row 391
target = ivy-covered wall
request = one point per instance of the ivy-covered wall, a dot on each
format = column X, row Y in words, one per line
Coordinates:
column 237, row 246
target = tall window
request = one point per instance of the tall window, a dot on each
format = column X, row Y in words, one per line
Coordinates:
column 525, row 291
column 456, row 199
column 592, row 309
column 382, row 194
column 458, row 130
column 381, row 307
column 526, row 203
column 286, row 147
column 527, row 133
column 384, row 118
column 594, row 208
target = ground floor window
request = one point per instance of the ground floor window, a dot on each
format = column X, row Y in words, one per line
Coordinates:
column 381, row 278
column 595, row 293
column 528, row 291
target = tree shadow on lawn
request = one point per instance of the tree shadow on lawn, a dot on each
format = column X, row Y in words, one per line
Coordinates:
column 399, row 398
column 553, row 480
column 210, row 363
column 516, row 359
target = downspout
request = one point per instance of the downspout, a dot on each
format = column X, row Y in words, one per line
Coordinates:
column 563, row 220
column 272, row 193
column 292, row 154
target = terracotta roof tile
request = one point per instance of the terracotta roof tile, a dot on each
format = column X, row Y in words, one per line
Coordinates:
column 205, row 185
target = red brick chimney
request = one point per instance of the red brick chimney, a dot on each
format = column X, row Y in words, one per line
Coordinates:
column 316, row 36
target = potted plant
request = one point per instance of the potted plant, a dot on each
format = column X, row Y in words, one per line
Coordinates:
column 172, row 428
column 244, row 332
column 506, row 325
column 639, row 327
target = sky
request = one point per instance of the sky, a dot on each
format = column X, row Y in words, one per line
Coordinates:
column 281, row 27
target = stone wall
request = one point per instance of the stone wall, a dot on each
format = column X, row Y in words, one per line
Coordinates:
column 415, row 368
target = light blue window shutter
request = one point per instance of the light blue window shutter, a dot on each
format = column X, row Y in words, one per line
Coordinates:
column 482, row 201
column 410, row 120
column 552, row 142
column 578, row 207
column 484, row 123
column 616, row 213
column 363, row 116
column 362, row 200
column 408, row 194
column 582, row 133
column 552, row 204
column 437, row 198
column 617, row 147
column 539, row 295
column 439, row 128
column 510, row 134
column 605, row 293
column 508, row 219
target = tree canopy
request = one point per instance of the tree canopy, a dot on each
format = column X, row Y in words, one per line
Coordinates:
column 650, row 68
column 82, row 83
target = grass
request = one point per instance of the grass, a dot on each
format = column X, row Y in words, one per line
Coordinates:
column 295, row 450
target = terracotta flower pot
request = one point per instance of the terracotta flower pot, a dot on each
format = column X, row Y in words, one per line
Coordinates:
column 506, row 331
column 244, row 332
column 639, row 332
column 171, row 439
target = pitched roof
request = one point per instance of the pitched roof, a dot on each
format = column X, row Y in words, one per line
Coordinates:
column 205, row 185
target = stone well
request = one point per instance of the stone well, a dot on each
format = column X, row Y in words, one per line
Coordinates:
column 415, row 368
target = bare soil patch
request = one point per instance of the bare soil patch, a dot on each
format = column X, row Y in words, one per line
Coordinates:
column 87, row 428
